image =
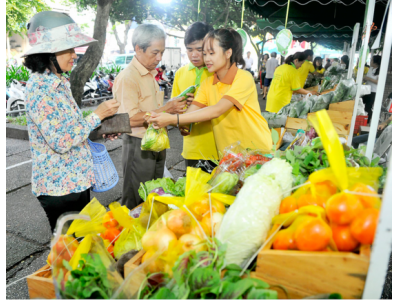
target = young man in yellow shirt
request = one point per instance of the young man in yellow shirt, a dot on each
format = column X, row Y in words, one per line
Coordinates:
column 199, row 144
column 307, row 67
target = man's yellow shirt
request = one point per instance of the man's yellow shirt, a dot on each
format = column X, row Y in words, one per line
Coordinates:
column 200, row 144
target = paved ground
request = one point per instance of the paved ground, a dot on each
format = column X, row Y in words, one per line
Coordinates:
column 27, row 230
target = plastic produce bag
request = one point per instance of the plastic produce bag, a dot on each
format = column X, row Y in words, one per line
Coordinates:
column 96, row 212
column 274, row 120
column 361, row 108
column 130, row 239
column 155, row 139
column 351, row 92
column 247, row 222
column 151, row 209
column 341, row 90
column 321, row 102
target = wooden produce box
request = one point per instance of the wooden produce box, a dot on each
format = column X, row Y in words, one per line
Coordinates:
column 306, row 273
column 40, row 284
column 347, row 106
column 293, row 124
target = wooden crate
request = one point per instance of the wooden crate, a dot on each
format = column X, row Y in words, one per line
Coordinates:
column 347, row 106
column 293, row 124
column 306, row 273
column 40, row 284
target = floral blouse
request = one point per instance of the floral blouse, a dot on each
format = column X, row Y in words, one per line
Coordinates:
column 61, row 158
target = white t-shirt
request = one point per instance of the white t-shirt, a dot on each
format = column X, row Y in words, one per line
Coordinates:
column 370, row 74
column 249, row 62
column 272, row 63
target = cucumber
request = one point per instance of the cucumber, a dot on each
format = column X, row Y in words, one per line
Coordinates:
column 190, row 89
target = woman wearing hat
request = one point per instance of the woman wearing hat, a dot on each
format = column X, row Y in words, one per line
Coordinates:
column 62, row 168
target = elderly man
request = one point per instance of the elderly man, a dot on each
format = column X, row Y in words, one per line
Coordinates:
column 137, row 90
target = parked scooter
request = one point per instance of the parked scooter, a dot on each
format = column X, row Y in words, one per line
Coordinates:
column 15, row 98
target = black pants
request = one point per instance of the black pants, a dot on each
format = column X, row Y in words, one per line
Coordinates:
column 262, row 78
column 206, row 165
column 369, row 104
column 55, row 206
column 138, row 166
column 165, row 86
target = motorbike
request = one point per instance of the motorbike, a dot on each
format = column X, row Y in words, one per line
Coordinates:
column 15, row 98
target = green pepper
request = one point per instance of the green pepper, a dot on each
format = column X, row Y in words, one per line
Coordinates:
column 190, row 89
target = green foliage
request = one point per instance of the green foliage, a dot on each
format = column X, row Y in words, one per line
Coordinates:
column 198, row 276
column 17, row 73
column 89, row 282
column 21, row 120
column 85, row 113
column 18, row 13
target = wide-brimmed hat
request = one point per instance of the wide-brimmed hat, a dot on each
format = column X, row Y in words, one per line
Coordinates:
column 51, row 32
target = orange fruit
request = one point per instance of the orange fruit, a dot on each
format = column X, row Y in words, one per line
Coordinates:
column 312, row 234
column 342, row 208
column 309, row 199
column 109, row 221
column 284, row 240
column 364, row 226
column 367, row 201
column 325, row 189
column 288, row 204
column 343, row 238
column 112, row 234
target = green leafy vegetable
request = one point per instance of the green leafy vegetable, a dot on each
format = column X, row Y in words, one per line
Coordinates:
column 225, row 182
column 89, row 282
column 180, row 186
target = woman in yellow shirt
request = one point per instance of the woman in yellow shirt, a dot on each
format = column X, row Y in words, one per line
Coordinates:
column 229, row 98
column 286, row 80
column 318, row 65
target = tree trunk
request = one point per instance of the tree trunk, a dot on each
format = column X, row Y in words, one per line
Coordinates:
column 121, row 45
column 8, row 47
column 93, row 54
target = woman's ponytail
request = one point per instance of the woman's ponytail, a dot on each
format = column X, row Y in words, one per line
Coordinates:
column 300, row 56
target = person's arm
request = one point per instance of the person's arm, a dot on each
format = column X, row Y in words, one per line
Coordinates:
column 305, row 92
column 197, row 115
column 56, row 122
column 296, row 86
column 366, row 78
column 384, row 124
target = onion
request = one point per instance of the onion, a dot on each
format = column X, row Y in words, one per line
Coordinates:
column 163, row 237
column 192, row 242
column 160, row 191
column 149, row 240
column 179, row 222
column 216, row 223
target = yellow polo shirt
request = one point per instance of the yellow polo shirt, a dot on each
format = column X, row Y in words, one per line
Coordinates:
column 243, row 122
column 200, row 144
column 366, row 69
column 306, row 67
column 321, row 71
column 286, row 80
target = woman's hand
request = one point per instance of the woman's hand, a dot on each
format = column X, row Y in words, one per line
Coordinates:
column 111, row 137
column 184, row 130
column 161, row 120
column 314, row 93
column 107, row 109
column 190, row 99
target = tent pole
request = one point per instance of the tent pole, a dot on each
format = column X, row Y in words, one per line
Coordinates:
column 367, row 29
column 380, row 89
column 353, row 50
column 382, row 246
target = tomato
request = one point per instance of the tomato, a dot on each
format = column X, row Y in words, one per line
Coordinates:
column 288, row 204
column 309, row 199
column 367, row 201
column 343, row 238
column 342, row 208
column 312, row 234
column 112, row 234
column 284, row 240
column 364, row 226
column 109, row 221
column 325, row 189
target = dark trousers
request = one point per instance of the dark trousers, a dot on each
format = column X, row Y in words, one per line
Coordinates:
column 262, row 79
column 55, row 206
column 206, row 165
column 138, row 166
column 369, row 104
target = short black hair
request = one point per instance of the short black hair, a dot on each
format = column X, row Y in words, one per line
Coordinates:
column 308, row 53
column 163, row 67
column 38, row 63
column 196, row 32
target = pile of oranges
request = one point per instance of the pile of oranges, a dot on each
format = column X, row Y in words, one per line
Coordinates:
column 328, row 219
column 112, row 232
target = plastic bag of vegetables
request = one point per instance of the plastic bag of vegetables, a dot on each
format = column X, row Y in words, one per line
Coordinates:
column 321, row 102
column 247, row 222
column 274, row 120
column 341, row 90
column 155, row 139
column 351, row 92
